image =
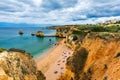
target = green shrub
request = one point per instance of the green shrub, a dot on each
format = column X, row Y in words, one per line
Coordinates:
column 75, row 38
column 113, row 28
column 104, row 36
column 77, row 32
column 98, row 29
column 2, row 49
column 23, row 70
column 94, row 28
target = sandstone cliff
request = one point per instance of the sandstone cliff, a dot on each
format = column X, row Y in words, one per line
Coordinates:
column 96, row 57
column 39, row 34
column 18, row 65
column 64, row 31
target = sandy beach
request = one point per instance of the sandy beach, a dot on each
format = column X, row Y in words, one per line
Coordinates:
column 53, row 64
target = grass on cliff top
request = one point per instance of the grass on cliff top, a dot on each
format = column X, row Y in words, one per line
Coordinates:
column 93, row 28
column 77, row 32
column 109, row 36
column 98, row 28
column 2, row 49
column 113, row 28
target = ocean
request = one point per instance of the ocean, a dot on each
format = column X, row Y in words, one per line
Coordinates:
column 9, row 38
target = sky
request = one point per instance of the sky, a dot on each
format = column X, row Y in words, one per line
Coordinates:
column 58, row 11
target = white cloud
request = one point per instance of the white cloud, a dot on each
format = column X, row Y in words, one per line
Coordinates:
column 58, row 11
column 37, row 2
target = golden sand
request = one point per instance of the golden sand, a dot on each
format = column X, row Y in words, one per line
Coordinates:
column 53, row 64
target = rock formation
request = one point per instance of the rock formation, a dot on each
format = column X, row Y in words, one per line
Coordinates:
column 21, row 32
column 17, row 65
column 39, row 34
column 64, row 31
column 96, row 57
column 32, row 34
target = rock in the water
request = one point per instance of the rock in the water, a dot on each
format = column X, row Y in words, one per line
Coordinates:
column 21, row 32
column 32, row 33
column 39, row 34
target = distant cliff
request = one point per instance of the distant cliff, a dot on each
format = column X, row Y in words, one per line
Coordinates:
column 96, row 57
column 64, row 31
column 17, row 65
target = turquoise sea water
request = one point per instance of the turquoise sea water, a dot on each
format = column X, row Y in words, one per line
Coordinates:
column 9, row 38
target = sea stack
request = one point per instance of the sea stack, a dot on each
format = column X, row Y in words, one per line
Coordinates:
column 39, row 34
column 21, row 32
column 32, row 34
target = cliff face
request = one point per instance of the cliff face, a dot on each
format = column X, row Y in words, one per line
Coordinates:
column 64, row 31
column 39, row 34
column 102, row 61
column 18, row 66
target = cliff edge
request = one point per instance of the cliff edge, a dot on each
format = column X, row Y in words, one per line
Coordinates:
column 96, row 57
column 17, row 65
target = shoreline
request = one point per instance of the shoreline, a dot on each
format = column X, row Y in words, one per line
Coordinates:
column 52, row 64
column 40, row 59
column 45, row 53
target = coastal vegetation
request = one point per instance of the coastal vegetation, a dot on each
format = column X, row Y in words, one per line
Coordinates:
column 2, row 49
column 75, row 38
column 77, row 32
column 118, row 22
column 97, row 28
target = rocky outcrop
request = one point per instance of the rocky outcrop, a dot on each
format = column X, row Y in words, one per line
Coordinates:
column 18, row 65
column 75, row 65
column 64, row 31
column 21, row 32
column 61, row 32
column 101, row 61
column 32, row 34
column 39, row 34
